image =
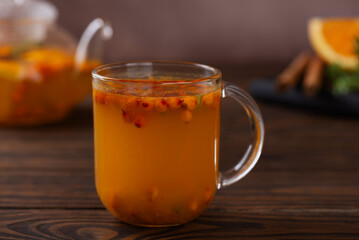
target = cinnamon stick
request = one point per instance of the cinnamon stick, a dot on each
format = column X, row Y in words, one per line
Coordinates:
column 290, row 76
column 313, row 78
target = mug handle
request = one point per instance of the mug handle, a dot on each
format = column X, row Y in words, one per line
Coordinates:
column 254, row 149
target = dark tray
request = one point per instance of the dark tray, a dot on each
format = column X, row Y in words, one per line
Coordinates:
column 264, row 88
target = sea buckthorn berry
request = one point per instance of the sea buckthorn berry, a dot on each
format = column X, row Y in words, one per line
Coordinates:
column 193, row 206
column 120, row 101
column 108, row 99
column 186, row 116
column 19, row 93
column 217, row 99
column 139, row 120
column 126, row 116
column 132, row 102
column 174, row 102
column 189, row 103
column 60, row 106
column 46, row 71
column 21, row 111
column 153, row 194
column 38, row 111
column 161, row 104
column 112, row 201
column 116, row 203
column 207, row 195
column 100, row 97
column 146, row 104
column 208, row 99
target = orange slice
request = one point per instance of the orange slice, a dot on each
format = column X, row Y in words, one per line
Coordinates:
column 11, row 70
column 52, row 59
column 334, row 40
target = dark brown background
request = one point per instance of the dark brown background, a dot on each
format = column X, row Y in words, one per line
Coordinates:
column 243, row 32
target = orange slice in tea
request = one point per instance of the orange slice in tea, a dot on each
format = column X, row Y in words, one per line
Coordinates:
column 11, row 70
column 48, row 60
column 334, row 40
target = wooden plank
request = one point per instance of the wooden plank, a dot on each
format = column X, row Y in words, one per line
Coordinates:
column 261, row 189
column 213, row 224
column 65, row 145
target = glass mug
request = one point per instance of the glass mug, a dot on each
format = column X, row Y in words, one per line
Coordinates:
column 156, row 130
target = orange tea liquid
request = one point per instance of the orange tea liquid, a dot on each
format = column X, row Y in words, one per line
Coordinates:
column 156, row 156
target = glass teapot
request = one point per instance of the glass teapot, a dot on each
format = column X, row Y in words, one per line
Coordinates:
column 43, row 74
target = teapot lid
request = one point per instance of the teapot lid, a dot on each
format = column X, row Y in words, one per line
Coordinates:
column 33, row 10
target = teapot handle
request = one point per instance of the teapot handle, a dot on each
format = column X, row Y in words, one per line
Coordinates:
column 94, row 27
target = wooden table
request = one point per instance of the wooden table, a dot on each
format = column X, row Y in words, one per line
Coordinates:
column 305, row 185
